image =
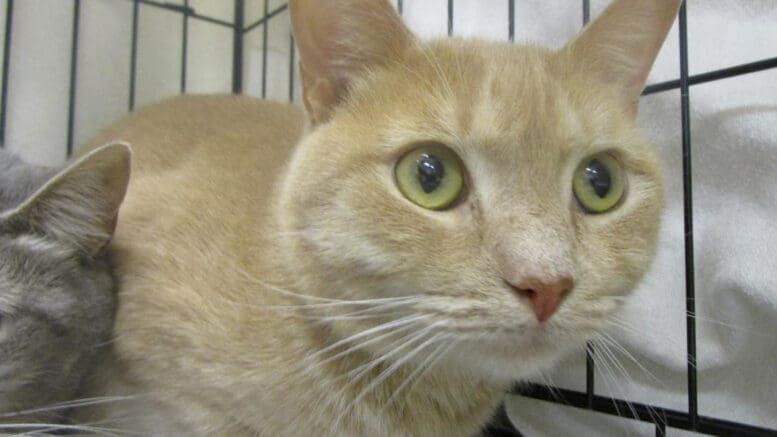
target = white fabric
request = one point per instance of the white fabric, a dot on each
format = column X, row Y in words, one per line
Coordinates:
column 734, row 137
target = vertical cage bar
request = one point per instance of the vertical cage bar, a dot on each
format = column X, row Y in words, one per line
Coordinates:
column 511, row 19
column 292, row 61
column 589, row 375
column 71, row 109
column 690, row 291
column 265, row 32
column 184, row 45
column 6, row 68
column 586, row 11
column 237, row 47
column 450, row 17
column 133, row 53
column 400, row 7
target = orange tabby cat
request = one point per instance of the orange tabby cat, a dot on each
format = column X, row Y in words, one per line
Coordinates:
column 458, row 215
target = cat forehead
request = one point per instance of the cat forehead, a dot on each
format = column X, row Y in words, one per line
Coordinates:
column 27, row 257
column 492, row 95
column 32, row 266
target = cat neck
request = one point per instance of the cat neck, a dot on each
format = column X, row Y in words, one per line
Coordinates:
column 354, row 392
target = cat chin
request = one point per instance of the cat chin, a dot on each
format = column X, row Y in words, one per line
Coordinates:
column 503, row 364
column 503, row 372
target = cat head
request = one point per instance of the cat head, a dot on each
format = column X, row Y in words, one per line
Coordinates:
column 57, row 298
column 501, row 196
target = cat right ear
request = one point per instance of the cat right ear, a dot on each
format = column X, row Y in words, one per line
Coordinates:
column 80, row 204
column 338, row 40
column 619, row 47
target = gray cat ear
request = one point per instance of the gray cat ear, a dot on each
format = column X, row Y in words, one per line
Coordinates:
column 339, row 39
column 620, row 46
column 80, row 204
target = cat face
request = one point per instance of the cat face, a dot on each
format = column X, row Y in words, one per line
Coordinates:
column 56, row 292
column 504, row 190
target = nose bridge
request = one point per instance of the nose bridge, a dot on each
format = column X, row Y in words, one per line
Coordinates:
column 535, row 244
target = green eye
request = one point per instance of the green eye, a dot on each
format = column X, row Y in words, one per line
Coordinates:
column 599, row 183
column 430, row 176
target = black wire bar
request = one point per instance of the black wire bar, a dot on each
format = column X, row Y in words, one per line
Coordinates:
column 511, row 20
column 690, row 288
column 184, row 44
column 266, row 17
column 133, row 53
column 185, row 9
column 237, row 47
column 265, row 33
column 642, row 412
column 6, row 68
column 450, row 17
column 71, row 110
column 292, row 66
column 724, row 73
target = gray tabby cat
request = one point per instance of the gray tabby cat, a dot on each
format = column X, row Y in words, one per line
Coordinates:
column 57, row 297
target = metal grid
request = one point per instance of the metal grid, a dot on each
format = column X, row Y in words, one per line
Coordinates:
column 238, row 27
column 662, row 418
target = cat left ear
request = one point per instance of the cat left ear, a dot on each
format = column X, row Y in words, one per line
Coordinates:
column 338, row 40
column 620, row 46
column 80, row 204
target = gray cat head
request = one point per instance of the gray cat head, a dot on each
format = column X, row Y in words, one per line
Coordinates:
column 57, row 297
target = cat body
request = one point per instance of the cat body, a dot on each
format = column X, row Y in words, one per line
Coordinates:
column 57, row 298
column 277, row 279
column 214, row 276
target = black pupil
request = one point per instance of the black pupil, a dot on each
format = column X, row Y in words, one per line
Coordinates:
column 430, row 172
column 599, row 177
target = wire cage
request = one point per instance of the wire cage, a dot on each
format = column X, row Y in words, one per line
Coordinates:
column 264, row 72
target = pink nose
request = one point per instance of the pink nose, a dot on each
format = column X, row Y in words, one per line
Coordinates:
column 544, row 296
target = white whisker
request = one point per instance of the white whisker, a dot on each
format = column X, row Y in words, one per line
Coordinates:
column 390, row 370
column 327, row 319
column 608, row 372
column 356, row 374
column 70, row 404
column 434, row 357
column 614, row 343
column 608, row 355
column 366, row 343
column 624, row 325
column 382, row 327
column 396, row 301
column 45, row 427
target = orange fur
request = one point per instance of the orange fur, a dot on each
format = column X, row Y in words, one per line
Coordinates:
column 232, row 208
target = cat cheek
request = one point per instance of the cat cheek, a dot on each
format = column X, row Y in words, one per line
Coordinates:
column 6, row 329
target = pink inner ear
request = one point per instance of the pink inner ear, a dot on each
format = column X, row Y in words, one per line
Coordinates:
column 621, row 44
column 320, row 96
column 315, row 38
column 338, row 39
column 635, row 88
